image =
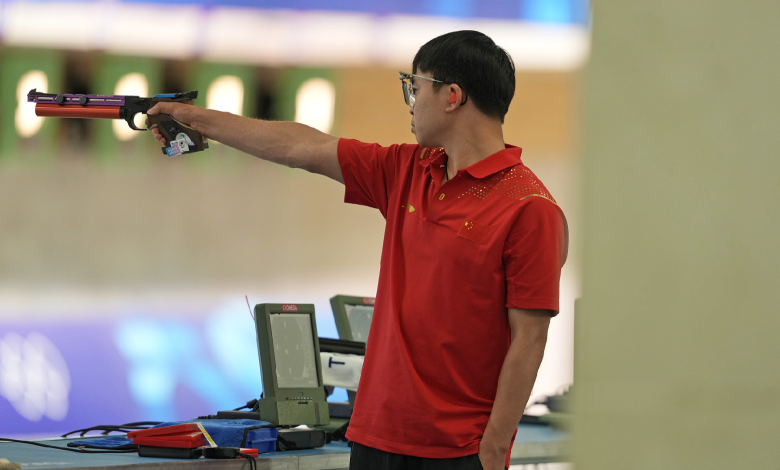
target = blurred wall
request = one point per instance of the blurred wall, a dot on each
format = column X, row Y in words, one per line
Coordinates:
column 226, row 220
column 677, row 344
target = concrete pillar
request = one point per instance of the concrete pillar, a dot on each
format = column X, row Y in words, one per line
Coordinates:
column 677, row 351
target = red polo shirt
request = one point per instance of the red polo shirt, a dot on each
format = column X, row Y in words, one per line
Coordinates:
column 455, row 257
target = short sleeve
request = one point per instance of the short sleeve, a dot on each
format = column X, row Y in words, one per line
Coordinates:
column 534, row 253
column 370, row 171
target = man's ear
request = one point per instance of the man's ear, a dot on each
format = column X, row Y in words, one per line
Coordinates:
column 456, row 97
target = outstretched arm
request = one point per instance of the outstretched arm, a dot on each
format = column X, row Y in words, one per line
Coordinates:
column 286, row 143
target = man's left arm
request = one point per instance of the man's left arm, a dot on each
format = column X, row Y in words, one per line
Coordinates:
column 518, row 374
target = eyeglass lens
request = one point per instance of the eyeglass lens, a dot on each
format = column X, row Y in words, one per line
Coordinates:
column 408, row 94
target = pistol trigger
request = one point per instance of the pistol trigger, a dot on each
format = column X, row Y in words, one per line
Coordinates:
column 131, row 122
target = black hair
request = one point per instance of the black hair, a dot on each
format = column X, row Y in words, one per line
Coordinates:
column 473, row 61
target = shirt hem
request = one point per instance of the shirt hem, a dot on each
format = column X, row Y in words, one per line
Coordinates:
column 428, row 452
column 540, row 304
column 350, row 195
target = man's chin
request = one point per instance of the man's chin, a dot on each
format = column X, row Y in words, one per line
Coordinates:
column 422, row 141
column 425, row 144
column 417, row 137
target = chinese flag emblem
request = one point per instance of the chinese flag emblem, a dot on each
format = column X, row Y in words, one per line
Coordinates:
column 473, row 231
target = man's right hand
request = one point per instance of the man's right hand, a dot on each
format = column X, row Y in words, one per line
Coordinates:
column 188, row 114
column 286, row 143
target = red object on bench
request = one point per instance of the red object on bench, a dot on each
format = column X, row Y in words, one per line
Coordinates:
column 250, row 452
column 179, row 436
column 152, row 442
column 175, row 429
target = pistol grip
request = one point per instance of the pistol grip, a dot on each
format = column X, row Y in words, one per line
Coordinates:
column 170, row 128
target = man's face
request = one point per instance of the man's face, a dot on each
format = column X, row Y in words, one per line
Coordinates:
column 428, row 112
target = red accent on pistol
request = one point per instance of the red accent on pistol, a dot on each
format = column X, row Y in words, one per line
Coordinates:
column 76, row 111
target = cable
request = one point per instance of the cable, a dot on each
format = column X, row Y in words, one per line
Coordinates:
column 228, row 453
column 250, row 404
column 109, row 428
column 252, row 462
column 79, row 450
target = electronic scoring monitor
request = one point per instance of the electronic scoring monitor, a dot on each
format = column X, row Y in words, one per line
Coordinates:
column 353, row 316
column 290, row 366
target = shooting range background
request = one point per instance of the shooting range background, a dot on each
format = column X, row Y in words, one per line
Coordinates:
column 125, row 271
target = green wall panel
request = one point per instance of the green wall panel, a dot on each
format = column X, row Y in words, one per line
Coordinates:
column 288, row 82
column 14, row 64
column 200, row 77
column 107, row 147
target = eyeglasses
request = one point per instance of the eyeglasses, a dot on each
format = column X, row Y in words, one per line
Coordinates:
column 406, row 79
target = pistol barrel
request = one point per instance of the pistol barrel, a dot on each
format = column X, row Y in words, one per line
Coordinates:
column 76, row 111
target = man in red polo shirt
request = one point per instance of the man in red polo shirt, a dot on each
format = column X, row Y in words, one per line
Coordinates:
column 470, row 272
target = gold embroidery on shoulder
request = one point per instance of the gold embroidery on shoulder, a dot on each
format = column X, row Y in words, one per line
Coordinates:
column 539, row 195
column 517, row 183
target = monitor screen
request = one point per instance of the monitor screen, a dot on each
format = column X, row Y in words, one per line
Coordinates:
column 359, row 317
column 293, row 342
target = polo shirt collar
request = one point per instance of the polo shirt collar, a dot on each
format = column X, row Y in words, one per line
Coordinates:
column 501, row 160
